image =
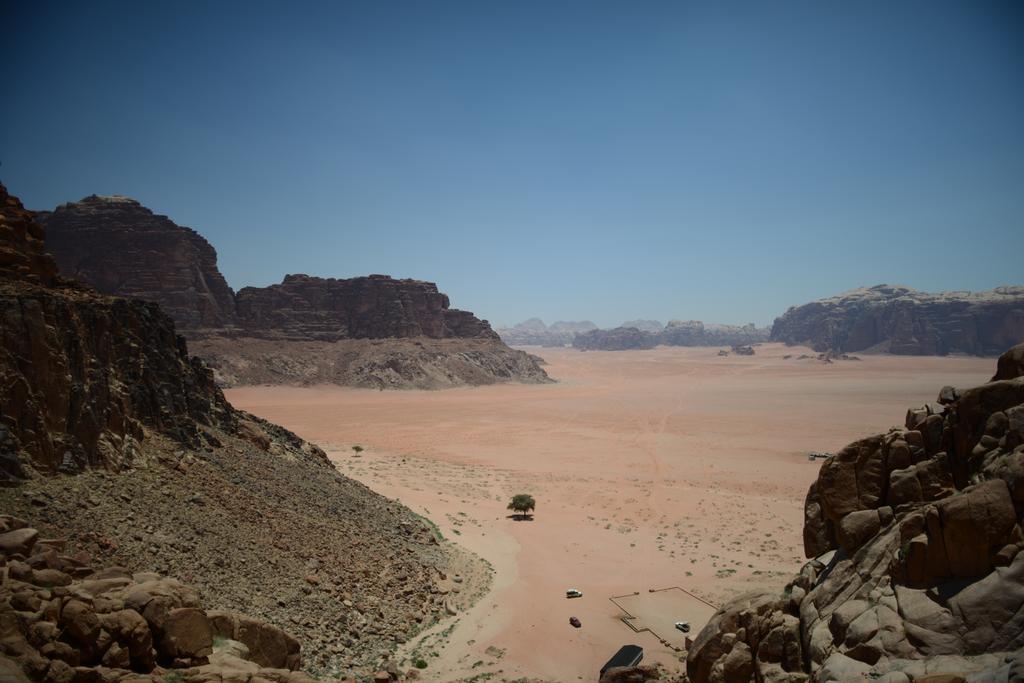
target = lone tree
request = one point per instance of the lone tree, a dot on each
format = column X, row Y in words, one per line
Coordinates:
column 522, row 503
column 358, row 449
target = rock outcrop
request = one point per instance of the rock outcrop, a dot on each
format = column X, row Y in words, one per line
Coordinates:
column 85, row 374
column 63, row 619
column 676, row 333
column 696, row 333
column 534, row 332
column 304, row 308
column 901, row 320
column 918, row 571
column 120, row 247
column 617, row 339
column 119, row 447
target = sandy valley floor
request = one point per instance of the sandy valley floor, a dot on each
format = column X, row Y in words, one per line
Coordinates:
column 651, row 469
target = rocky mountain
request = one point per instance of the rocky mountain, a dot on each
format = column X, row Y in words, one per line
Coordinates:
column 121, row 450
column 534, row 332
column 918, row 569
column 652, row 326
column 676, row 333
column 617, row 339
column 304, row 308
column 696, row 333
column 902, row 320
column 121, row 248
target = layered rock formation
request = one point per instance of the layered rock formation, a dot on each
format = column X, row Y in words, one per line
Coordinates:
column 114, row 441
column 120, row 247
column 617, row 339
column 85, row 374
column 902, row 320
column 924, row 572
column 534, row 332
column 676, row 333
column 304, row 308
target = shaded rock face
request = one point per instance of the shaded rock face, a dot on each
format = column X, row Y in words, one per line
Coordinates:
column 901, row 320
column 373, row 307
column 22, row 245
column 84, row 374
column 122, row 248
column 928, row 574
column 618, row 339
column 534, row 332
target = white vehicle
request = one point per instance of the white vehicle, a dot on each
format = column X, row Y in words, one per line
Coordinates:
column 573, row 593
column 683, row 626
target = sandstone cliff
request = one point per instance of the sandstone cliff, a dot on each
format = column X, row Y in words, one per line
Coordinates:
column 304, row 308
column 902, row 320
column 919, row 571
column 120, row 247
column 117, row 444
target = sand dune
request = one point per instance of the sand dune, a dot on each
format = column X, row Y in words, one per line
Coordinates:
column 651, row 469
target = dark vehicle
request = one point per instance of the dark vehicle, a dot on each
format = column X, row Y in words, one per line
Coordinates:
column 628, row 655
column 575, row 622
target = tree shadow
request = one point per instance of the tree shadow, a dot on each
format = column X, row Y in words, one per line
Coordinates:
column 519, row 518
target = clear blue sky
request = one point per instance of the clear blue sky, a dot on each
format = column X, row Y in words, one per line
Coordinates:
column 601, row 160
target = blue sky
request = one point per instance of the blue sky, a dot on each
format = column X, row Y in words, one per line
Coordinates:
column 603, row 160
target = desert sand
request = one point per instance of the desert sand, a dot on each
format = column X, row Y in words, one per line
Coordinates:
column 651, row 469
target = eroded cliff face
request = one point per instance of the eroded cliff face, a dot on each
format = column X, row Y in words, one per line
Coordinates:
column 902, row 320
column 305, row 308
column 927, row 574
column 84, row 373
column 118, row 447
column 120, row 247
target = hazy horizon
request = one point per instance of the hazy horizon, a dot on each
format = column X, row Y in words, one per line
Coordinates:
column 596, row 160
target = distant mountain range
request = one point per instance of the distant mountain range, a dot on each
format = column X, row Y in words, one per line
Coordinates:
column 634, row 334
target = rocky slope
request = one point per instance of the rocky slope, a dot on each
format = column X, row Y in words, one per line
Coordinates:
column 926, row 574
column 414, row 363
column 117, row 442
column 61, row 619
column 122, row 248
column 534, row 332
column 902, row 320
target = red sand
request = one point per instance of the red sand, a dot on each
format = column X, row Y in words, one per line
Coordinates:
column 651, row 469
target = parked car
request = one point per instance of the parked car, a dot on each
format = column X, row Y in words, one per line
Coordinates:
column 575, row 622
column 683, row 626
column 628, row 655
column 573, row 593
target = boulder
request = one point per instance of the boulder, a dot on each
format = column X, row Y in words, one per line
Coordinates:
column 187, row 634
